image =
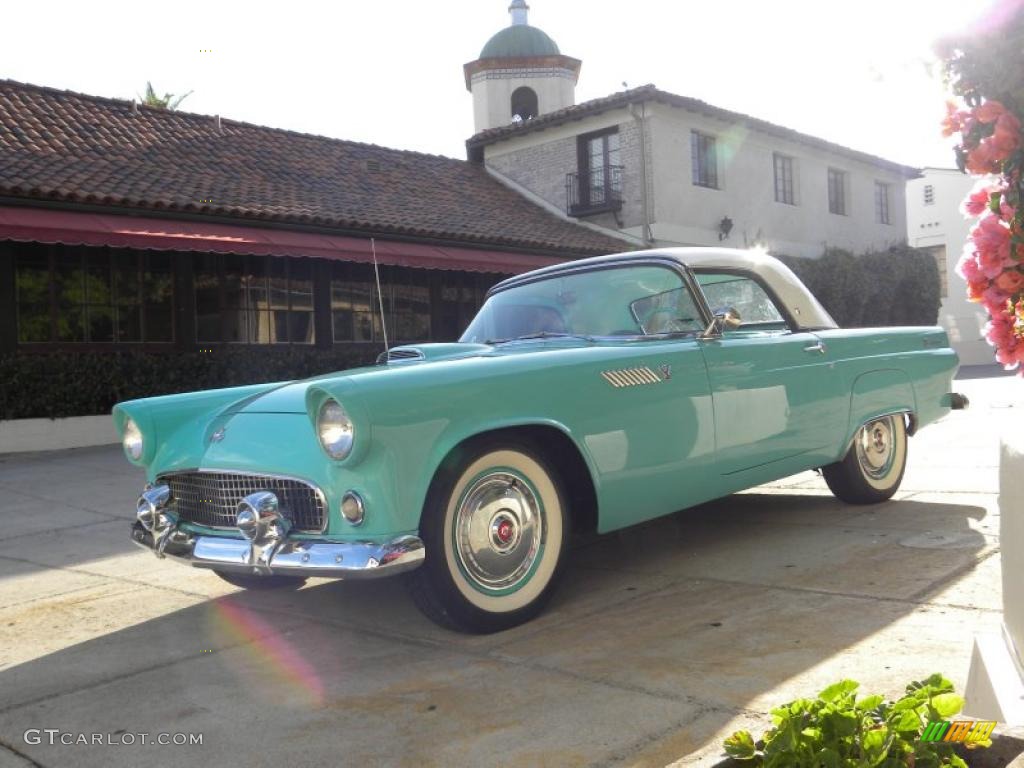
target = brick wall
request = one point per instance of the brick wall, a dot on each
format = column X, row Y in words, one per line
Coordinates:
column 542, row 167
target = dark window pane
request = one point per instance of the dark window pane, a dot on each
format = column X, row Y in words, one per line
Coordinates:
column 129, row 323
column 342, row 321
column 100, row 323
column 278, row 327
column 208, row 327
column 70, row 280
column 33, row 279
column 158, row 288
column 71, row 323
column 235, row 325
column 300, row 327
column 278, row 283
column 126, row 278
column 159, row 322
column 302, row 294
column 33, row 323
column 234, row 267
column 364, row 323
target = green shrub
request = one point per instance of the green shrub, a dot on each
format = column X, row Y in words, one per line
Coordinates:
column 838, row 729
column 61, row 383
column 899, row 286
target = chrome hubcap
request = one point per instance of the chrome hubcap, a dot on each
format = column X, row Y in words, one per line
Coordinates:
column 498, row 531
column 875, row 447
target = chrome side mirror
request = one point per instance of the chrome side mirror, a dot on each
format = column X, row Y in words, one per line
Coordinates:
column 727, row 319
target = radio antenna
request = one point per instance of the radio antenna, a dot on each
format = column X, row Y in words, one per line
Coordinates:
column 380, row 296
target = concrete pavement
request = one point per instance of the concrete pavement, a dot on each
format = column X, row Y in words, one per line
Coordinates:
column 662, row 638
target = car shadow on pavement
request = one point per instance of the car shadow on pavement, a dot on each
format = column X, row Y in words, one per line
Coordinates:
column 659, row 635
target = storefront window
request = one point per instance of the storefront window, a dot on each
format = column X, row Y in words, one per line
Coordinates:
column 355, row 307
column 93, row 295
column 253, row 299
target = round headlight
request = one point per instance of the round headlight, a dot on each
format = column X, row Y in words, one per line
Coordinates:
column 336, row 430
column 132, row 440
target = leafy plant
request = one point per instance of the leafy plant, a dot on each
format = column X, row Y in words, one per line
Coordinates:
column 898, row 286
column 81, row 383
column 839, row 730
column 167, row 101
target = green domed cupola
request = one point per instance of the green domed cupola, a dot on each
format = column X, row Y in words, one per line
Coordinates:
column 519, row 40
column 520, row 75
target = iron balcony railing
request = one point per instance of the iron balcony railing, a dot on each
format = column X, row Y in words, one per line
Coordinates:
column 594, row 190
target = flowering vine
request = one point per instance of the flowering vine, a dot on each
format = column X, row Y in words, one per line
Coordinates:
column 986, row 120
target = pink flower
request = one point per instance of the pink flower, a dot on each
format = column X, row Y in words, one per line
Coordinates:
column 981, row 196
column 992, row 239
column 976, row 289
column 968, row 267
column 995, row 300
column 1011, row 281
column 1010, row 357
column 976, row 203
column 989, row 112
column 953, row 122
column 998, row 333
column 984, row 158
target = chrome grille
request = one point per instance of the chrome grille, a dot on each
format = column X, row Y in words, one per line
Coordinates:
column 210, row 498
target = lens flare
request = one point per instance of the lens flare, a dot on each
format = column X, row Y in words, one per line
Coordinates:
column 282, row 665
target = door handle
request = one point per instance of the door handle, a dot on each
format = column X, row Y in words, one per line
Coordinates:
column 818, row 347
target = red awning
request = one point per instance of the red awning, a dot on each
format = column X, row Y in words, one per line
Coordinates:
column 40, row 225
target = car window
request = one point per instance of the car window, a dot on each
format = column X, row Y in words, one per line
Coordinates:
column 620, row 301
column 756, row 308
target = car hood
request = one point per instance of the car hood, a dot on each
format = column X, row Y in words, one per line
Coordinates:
column 290, row 397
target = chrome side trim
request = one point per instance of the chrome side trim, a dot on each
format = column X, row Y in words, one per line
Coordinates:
column 340, row 560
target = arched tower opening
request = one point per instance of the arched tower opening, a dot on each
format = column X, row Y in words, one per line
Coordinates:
column 524, row 103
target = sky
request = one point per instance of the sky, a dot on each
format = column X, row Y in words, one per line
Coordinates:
column 390, row 72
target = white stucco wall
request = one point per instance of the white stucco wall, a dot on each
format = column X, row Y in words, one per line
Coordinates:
column 689, row 214
column 941, row 223
column 684, row 214
column 492, row 93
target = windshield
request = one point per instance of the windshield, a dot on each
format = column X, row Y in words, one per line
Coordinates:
column 621, row 301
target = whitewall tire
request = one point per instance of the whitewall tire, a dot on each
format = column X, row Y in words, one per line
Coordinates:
column 873, row 467
column 494, row 528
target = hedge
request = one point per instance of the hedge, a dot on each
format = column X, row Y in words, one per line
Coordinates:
column 61, row 383
column 895, row 287
column 899, row 286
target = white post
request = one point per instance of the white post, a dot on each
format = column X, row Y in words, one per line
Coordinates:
column 995, row 683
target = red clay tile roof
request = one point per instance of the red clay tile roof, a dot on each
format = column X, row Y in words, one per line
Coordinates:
column 475, row 144
column 71, row 148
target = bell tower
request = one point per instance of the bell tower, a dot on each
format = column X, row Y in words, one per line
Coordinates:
column 520, row 74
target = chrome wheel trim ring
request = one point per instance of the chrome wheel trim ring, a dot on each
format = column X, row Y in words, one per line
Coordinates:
column 498, row 531
column 876, row 447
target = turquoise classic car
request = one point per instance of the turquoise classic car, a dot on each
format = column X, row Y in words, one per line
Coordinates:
column 587, row 396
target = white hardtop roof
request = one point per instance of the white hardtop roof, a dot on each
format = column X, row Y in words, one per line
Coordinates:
column 776, row 276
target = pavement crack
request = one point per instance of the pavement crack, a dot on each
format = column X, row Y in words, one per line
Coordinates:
column 4, row 744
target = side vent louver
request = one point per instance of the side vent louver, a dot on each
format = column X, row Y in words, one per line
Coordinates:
column 395, row 355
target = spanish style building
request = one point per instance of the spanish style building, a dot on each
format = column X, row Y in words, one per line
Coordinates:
column 125, row 227
column 936, row 223
column 670, row 170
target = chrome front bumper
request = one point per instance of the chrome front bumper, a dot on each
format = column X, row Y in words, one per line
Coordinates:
column 291, row 557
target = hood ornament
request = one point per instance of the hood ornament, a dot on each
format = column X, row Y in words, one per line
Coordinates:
column 217, row 436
